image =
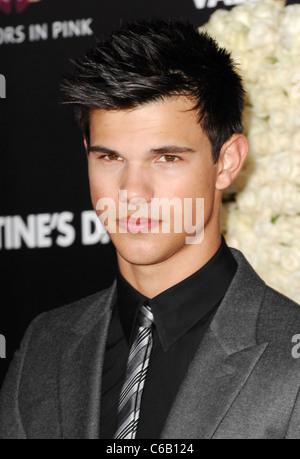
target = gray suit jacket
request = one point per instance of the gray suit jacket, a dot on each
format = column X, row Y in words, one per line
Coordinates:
column 242, row 383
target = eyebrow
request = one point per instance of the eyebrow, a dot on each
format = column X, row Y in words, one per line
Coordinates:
column 165, row 150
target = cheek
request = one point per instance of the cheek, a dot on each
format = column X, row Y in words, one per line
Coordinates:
column 95, row 185
column 203, row 186
column 99, row 188
column 199, row 184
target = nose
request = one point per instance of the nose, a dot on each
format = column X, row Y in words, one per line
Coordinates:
column 136, row 180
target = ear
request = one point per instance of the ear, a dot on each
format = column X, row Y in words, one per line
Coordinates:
column 231, row 160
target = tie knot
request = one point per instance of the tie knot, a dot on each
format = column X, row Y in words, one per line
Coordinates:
column 145, row 317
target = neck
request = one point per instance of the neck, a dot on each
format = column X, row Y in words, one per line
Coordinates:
column 151, row 280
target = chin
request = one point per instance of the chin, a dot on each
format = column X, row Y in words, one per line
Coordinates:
column 141, row 260
column 147, row 251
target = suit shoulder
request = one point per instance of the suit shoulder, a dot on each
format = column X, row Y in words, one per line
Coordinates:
column 279, row 318
column 68, row 315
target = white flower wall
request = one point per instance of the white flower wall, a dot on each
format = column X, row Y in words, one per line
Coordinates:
column 261, row 212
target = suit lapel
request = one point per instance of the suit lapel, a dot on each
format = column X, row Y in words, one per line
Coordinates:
column 224, row 361
column 213, row 382
column 81, row 370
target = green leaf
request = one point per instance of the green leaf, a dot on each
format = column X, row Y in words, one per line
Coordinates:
column 274, row 219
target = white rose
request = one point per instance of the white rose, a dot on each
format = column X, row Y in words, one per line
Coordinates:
column 265, row 100
column 281, row 120
column 295, row 110
column 285, row 71
column 280, row 229
column 294, row 286
column 264, row 142
column 275, row 4
column 256, row 138
column 248, row 118
column 253, row 64
column 296, row 143
column 281, row 166
column 290, row 259
column 275, row 277
column 281, row 74
column 267, row 230
column 246, row 243
column 244, row 14
column 268, row 74
column 290, row 42
column 289, row 28
column 263, row 34
column 233, row 241
column 240, row 222
column 217, row 22
column 280, row 4
column 247, row 201
column 235, row 36
column 282, row 197
column 267, row 12
column 290, row 19
column 268, row 253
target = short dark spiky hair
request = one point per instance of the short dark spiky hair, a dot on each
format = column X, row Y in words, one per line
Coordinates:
column 147, row 61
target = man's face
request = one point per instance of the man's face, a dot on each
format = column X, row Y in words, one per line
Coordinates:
column 156, row 151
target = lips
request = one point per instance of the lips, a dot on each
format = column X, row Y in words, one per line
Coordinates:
column 135, row 225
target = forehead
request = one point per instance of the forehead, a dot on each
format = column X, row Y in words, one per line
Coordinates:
column 167, row 120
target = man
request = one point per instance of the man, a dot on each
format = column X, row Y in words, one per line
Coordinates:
column 188, row 342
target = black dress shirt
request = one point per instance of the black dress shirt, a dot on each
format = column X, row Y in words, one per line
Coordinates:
column 182, row 314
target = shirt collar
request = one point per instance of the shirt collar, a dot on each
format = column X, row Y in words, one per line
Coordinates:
column 177, row 309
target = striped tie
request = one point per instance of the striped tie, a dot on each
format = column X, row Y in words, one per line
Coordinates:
column 136, row 371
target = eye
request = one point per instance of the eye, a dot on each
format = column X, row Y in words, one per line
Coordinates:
column 110, row 157
column 169, row 159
